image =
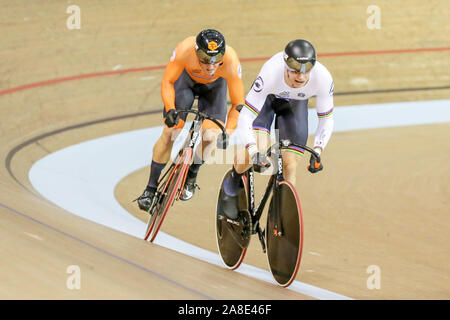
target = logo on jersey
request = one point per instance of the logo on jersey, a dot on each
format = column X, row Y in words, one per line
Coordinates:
column 332, row 88
column 212, row 45
column 284, row 94
column 240, row 71
column 301, row 94
column 174, row 53
column 258, row 85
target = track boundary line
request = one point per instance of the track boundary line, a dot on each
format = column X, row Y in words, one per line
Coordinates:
column 160, row 67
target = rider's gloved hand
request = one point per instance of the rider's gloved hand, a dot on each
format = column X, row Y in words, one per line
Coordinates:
column 223, row 140
column 260, row 162
column 314, row 166
column 171, row 118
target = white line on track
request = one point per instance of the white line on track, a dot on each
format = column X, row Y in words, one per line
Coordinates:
column 31, row 235
column 81, row 178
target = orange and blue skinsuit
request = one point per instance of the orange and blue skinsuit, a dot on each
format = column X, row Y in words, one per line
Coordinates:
column 184, row 58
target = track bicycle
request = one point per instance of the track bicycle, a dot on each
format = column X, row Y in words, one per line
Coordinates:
column 282, row 238
column 171, row 184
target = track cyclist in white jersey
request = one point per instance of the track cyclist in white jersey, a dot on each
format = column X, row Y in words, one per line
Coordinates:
column 281, row 92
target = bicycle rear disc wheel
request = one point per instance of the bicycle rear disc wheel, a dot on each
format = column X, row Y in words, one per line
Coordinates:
column 231, row 253
column 170, row 192
column 284, row 251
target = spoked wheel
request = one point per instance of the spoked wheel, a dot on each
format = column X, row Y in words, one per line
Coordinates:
column 233, row 240
column 167, row 193
column 284, row 234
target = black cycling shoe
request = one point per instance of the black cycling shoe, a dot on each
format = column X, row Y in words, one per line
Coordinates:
column 189, row 189
column 146, row 199
column 239, row 223
column 229, row 205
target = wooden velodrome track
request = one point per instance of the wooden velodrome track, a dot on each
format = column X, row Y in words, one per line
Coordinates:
column 383, row 196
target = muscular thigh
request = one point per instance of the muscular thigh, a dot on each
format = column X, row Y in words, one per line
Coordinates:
column 184, row 95
column 212, row 100
column 292, row 124
column 263, row 121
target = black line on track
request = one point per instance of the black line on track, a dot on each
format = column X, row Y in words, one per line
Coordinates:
column 19, row 147
column 16, row 149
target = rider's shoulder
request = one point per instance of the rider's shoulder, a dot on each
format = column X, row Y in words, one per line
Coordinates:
column 231, row 57
column 322, row 79
column 231, row 66
column 185, row 47
column 276, row 60
column 273, row 63
column 229, row 51
column 321, row 72
column 188, row 42
column 273, row 68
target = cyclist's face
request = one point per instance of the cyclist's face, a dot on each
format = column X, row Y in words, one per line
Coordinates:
column 296, row 79
column 208, row 68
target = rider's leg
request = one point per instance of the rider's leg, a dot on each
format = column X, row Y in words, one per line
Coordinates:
column 212, row 100
column 205, row 149
column 201, row 155
column 261, row 129
column 292, row 124
column 184, row 98
column 231, row 184
column 242, row 163
column 290, row 162
column 161, row 153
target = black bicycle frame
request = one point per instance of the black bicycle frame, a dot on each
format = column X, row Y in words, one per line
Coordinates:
column 194, row 133
column 270, row 189
column 257, row 212
column 191, row 140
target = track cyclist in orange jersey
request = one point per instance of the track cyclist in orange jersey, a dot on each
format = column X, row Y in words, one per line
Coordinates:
column 203, row 67
column 280, row 93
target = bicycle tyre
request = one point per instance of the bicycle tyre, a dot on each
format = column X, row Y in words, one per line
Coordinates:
column 172, row 189
column 161, row 187
column 284, row 252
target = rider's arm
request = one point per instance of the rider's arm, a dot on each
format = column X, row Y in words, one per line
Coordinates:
column 246, row 134
column 173, row 71
column 324, row 108
column 254, row 102
column 235, row 88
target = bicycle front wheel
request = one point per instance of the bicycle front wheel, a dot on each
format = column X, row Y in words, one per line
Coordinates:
column 284, row 234
column 168, row 194
column 161, row 187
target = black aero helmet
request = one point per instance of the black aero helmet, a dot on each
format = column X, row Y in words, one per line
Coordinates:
column 210, row 46
column 300, row 56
